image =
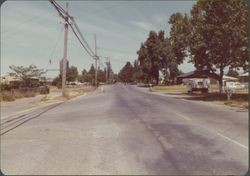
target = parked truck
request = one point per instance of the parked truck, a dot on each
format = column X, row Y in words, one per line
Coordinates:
column 198, row 84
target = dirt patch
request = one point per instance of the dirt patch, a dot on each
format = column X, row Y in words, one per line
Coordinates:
column 237, row 100
column 55, row 94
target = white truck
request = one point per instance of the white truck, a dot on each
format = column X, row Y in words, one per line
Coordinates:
column 198, row 84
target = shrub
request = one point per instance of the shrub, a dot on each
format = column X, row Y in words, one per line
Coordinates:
column 4, row 86
column 7, row 96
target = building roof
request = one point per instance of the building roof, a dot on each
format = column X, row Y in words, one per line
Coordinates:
column 225, row 77
column 244, row 74
column 199, row 74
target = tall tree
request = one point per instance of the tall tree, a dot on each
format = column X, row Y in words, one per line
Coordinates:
column 126, row 73
column 71, row 74
column 219, row 34
column 179, row 33
column 151, row 55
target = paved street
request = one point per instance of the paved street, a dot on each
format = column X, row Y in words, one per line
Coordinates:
column 125, row 130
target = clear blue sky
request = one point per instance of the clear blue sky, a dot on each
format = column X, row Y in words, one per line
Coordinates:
column 31, row 29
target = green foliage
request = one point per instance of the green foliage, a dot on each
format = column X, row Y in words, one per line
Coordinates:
column 4, row 86
column 219, row 34
column 215, row 35
column 179, row 36
column 158, row 53
column 151, row 55
column 57, row 82
column 71, row 74
column 28, row 74
column 126, row 73
column 101, row 75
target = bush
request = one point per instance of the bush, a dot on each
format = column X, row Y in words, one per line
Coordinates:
column 7, row 96
column 44, row 90
column 4, row 86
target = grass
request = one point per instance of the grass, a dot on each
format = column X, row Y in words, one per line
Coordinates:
column 238, row 99
column 56, row 94
column 8, row 96
column 169, row 89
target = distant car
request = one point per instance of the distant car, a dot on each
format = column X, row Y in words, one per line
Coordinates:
column 144, row 85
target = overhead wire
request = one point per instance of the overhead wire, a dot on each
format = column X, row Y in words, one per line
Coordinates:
column 57, row 41
column 64, row 15
column 81, row 42
column 78, row 30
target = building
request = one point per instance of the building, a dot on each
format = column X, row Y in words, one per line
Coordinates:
column 9, row 78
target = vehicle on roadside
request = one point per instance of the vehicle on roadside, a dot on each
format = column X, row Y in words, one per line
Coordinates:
column 233, row 85
column 198, row 84
column 144, row 85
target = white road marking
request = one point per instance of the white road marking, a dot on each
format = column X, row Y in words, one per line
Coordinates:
column 231, row 140
column 184, row 117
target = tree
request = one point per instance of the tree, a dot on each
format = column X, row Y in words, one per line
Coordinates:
column 126, row 73
column 101, row 75
column 232, row 72
column 57, row 81
column 82, row 77
column 71, row 74
column 27, row 73
column 151, row 55
column 219, row 35
column 179, row 33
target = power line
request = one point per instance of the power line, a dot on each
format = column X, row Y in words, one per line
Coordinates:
column 64, row 15
column 55, row 46
column 115, row 50
column 78, row 30
column 81, row 42
column 114, row 59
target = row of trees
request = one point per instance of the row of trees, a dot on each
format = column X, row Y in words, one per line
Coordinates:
column 213, row 36
column 73, row 75
column 31, row 75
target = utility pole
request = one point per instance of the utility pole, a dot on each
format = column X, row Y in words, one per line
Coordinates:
column 107, row 70
column 64, row 70
column 96, row 57
column 107, row 74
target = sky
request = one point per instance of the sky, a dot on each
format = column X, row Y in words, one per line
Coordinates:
column 32, row 31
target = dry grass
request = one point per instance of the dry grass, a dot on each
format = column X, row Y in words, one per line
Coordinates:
column 8, row 96
column 238, row 99
column 55, row 94
column 169, row 89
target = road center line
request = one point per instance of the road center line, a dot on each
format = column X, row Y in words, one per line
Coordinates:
column 231, row 140
column 184, row 117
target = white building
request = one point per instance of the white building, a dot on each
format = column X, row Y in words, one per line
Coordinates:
column 9, row 77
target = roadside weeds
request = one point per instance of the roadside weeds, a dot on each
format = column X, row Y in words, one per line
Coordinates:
column 56, row 94
column 239, row 100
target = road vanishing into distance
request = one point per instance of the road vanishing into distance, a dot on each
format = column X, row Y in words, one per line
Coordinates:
column 126, row 130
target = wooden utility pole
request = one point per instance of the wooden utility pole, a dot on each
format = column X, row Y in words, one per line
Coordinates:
column 96, row 57
column 64, row 70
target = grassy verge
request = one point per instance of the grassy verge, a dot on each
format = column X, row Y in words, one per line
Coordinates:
column 238, row 99
column 8, row 96
column 55, row 94
column 169, row 89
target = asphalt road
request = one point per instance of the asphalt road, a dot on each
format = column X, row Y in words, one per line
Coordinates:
column 125, row 130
